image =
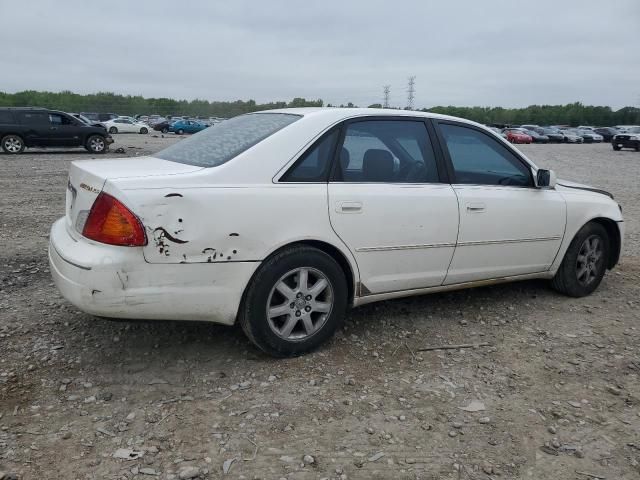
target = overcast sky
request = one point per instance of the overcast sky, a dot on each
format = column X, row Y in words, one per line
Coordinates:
column 462, row 52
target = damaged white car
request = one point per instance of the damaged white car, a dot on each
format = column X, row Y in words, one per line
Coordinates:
column 282, row 219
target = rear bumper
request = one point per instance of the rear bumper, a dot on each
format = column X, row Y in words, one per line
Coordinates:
column 116, row 282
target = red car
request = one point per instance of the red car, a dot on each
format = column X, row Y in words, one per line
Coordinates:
column 515, row 135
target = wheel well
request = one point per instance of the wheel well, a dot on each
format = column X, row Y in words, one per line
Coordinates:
column 11, row 133
column 339, row 257
column 614, row 236
column 327, row 248
column 334, row 253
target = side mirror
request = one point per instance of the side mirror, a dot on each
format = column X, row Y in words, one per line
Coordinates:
column 546, row 179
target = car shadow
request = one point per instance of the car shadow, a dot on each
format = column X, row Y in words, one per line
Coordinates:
column 205, row 342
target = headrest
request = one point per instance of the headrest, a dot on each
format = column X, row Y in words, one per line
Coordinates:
column 377, row 166
column 344, row 158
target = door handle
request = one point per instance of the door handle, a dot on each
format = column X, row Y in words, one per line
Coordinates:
column 349, row 207
column 476, row 207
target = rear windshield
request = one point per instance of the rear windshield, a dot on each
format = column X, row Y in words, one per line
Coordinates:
column 220, row 143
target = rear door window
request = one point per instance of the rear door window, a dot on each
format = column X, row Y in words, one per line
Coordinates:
column 388, row 151
column 34, row 118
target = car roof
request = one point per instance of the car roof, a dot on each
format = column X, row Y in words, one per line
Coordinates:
column 339, row 113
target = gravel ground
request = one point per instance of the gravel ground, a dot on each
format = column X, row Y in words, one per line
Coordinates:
column 554, row 395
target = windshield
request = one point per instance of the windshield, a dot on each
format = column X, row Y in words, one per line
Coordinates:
column 217, row 145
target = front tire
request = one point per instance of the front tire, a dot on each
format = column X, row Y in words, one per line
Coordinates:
column 616, row 147
column 12, row 144
column 165, row 130
column 585, row 262
column 113, row 130
column 295, row 302
column 96, row 144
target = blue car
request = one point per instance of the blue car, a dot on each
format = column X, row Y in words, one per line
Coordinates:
column 187, row 126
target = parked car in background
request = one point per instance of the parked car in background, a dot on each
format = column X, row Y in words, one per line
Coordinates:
column 624, row 128
column 127, row 117
column 163, row 126
column 498, row 131
column 155, row 119
column 187, row 126
column 554, row 135
column 84, row 119
column 40, row 127
column 629, row 139
column 99, row 117
column 125, row 125
column 535, row 135
column 606, row 132
column 190, row 233
column 589, row 136
column 571, row 136
column 516, row 135
column 533, row 128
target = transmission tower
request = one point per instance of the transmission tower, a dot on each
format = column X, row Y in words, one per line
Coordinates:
column 411, row 91
column 387, row 90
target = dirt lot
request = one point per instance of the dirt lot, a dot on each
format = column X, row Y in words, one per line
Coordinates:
column 557, row 391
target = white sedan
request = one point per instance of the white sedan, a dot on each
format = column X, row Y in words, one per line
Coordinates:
column 282, row 219
column 125, row 125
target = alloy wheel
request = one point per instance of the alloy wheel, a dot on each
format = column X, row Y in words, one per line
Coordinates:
column 96, row 144
column 13, row 144
column 299, row 304
column 590, row 259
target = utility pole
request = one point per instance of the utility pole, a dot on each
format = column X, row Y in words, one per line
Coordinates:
column 411, row 91
column 387, row 90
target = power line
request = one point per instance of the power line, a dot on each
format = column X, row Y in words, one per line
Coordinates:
column 411, row 91
column 387, row 90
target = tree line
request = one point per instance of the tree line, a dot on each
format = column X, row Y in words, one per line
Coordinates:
column 105, row 102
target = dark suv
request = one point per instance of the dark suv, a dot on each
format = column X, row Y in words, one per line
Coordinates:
column 22, row 127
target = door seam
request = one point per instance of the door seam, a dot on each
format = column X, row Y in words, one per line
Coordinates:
column 455, row 249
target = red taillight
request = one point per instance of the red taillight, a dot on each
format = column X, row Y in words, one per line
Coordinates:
column 111, row 222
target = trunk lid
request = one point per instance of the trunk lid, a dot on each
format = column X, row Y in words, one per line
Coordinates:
column 88, row 177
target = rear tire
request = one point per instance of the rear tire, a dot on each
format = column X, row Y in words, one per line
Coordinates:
column 585, row 262
column 12, row 144
column 143, row 130
column 180, row 132
column 96, row 144
column 286, row 312
column 113, row 130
